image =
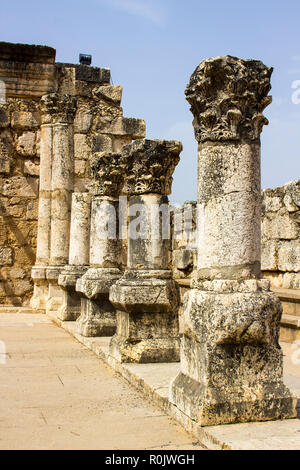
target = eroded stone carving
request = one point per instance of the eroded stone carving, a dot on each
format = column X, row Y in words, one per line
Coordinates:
column 108, row 170
column 151, row 164
column 57, row 108
column 227, row 97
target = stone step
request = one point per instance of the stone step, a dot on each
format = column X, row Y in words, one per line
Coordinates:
column 289, row 328
column 19, row 309
column 290, row 300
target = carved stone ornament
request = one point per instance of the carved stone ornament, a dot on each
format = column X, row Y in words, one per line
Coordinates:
column 57, row 108
column 227, row 97
column 108, row 171
column 151, row 164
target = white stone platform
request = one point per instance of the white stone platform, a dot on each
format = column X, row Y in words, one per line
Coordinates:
column 154, row 379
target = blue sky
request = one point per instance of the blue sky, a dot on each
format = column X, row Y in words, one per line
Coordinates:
column 153, row 46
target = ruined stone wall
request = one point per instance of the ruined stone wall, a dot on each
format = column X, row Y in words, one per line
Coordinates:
column 30, row 72
column 19, row 171
column 26, row 73
column 280, row 232
column 281, row 235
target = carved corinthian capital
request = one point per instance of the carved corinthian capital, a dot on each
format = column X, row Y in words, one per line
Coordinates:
column 227, row 96
column 57, row 108
column 108, row 171
column 151, row 164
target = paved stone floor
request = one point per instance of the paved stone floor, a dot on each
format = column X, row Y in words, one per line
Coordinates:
column 56, row 394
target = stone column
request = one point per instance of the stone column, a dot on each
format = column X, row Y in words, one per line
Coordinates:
column 78, row 256
column 63, row 110
column 146, row 297
column 38, row 272
column 98, row 316
column 231, row 361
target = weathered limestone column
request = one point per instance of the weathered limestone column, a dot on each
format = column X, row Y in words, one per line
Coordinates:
column 63, row 108
column 38, row 272
column 146, row 297
column 98, row 316
column 78, row 256
column 231, row 361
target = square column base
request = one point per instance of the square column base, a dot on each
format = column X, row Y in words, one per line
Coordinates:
column 97, row 318
column 71, row 307
column 231, row 362
column 147, row 321
column 55, row 292
column 40, row 288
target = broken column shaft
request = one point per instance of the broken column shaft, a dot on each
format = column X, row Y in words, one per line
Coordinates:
column 98, row 316
column 146, row 297
column 231, row 361
column 78, row 256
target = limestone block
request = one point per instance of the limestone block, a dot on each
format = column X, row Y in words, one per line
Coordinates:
column 21, row 186
column 82, row 185
column 148, row 295
column 80, row 167
column 6, row 256
column 97, row 281
column 22, row 286
column 4, row 165
column 290, row 281
column 16, row 272
column 293, row 189
column 23, row 119
column 80, row 229
column 31, row 168
column 289, row 204
column 272, row 203
column 289, row 256
column 81, row 147
column 101, row 143
column 32, row 210
column 98, row 318
column 268, row 255
column 4, row 157
column 92, row 74
column 231, row 366
column 4, row 117
column 119, row 142
column 110, row 93
column 280, row 227
column 26, row 144
column 182, row 259
column 83, row 121
column 136, row 128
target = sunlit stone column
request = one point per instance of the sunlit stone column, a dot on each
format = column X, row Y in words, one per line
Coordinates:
column 38, row 272
column 78, row 256
column 98, row 316
column 62, row 177
column 231, row 361
column 146, row 297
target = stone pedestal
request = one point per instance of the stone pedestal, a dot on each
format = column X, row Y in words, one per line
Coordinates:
column 78, row 256
column 231, row 361
column 146, row 297
column 98, row 316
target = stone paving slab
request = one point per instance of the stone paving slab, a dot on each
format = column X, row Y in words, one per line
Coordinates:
column 153, row 380
column 56, row 394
